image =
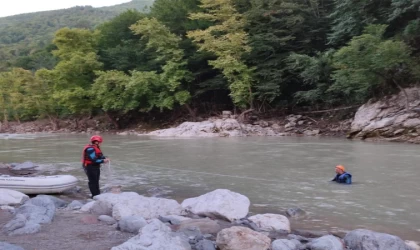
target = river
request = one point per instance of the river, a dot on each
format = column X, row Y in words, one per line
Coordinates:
column 275, row 173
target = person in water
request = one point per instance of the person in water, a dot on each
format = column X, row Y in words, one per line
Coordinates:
column 342, row 176
column 92, row 158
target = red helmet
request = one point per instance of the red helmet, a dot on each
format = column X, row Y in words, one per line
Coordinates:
column 97, row 138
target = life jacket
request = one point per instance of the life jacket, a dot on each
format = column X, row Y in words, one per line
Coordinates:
column 85, row 158
column 343, row 177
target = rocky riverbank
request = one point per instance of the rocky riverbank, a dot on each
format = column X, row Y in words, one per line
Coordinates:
column 126, row 220
column 394, row 118
column 226, row 125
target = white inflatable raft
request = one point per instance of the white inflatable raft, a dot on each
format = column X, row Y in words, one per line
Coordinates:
column 38, row 184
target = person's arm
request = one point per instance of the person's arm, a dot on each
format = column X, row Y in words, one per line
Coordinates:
column 93, row 157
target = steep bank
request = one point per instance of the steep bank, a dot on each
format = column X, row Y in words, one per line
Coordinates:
column 393, row 118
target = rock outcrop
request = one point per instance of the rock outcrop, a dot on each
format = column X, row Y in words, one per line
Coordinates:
column 389, row 117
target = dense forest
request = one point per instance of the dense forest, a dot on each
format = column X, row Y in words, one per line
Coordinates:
column 26, row 34
column 192, row 56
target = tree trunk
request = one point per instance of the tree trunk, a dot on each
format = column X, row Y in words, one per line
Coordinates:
column 76, row 122
column 112, row 120
column 54, row 122
column 193, row 113
column 5, row 119
column 407, row 101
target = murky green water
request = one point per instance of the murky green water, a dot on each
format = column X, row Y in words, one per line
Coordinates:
column 275, row 173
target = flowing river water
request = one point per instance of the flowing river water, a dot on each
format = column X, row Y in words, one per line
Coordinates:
column 275, row 173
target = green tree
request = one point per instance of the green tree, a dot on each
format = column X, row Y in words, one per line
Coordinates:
column 174, row 72
column 350, row 17
column 74, row 74
column 370, row 64
column 43, row 99
column 229, row 42
column 15, row 94
column 315, row 72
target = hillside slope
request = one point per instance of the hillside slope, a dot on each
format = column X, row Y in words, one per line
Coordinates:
column 21, row 35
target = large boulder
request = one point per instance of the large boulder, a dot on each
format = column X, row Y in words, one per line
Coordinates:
column 412, row 244
column 327, row 242
column 87, row 207
column 27, row 220
column 155, row 236
column 284, row 244
column 239, row 238
column 101, row 207
column 221, row 203
column 59, row 203
column 107, row 219
column 132, row 224
column 12, row 197
column 130, row 203
column 7, row 246
column 271, row 222
column 362, row 239
column 40, row 210
column 388, row 117
column 24, row 166
column 147, row 207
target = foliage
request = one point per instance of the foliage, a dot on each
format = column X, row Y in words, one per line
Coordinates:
column 228, row 40
column 205, row 56
column 315, row 72
column 369, row 64
column 25, row 34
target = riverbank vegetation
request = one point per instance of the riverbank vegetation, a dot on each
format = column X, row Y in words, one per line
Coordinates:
column 196, row 57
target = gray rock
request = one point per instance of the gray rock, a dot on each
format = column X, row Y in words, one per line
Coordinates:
column 7, row 246
column 190, row 233
column 59, row 203
column 205, row 245
column 102, row 207
column 205, row 226
column 327, row 242
column 12, row 197
column 75, row 205
column 107, row 219
column 29, row 228
column 295, row 213
column 173, row 219
column 298, row 238
column 18, row 222
column 285, row 244
column 24, row 166
column 132, row 224
column 155, row 236
column 38, row 210
column 27, row 220
column 362, row 239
